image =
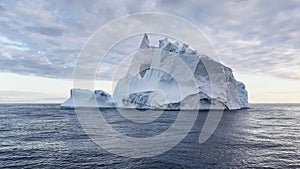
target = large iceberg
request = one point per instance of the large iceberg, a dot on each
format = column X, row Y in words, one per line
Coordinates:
column 157, row 78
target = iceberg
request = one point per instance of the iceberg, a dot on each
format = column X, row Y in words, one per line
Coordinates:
column 85, row 99
column 156, row 79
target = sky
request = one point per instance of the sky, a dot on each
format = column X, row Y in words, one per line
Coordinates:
column 40, row 41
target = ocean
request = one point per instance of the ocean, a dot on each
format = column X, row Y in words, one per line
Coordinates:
column 45, row 136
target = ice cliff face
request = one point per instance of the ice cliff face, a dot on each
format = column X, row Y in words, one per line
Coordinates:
column 214, row 86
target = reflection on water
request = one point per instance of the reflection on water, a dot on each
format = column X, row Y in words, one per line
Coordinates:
column 36, row 136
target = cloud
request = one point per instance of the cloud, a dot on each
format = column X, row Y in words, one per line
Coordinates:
column 43, row 38
column 47, row 31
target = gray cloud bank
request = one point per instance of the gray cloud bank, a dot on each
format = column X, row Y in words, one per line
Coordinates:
column 43, row 38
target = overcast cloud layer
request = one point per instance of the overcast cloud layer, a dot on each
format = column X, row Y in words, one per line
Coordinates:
column 43, row 38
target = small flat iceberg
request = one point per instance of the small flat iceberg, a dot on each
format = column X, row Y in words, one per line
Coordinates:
column 86, row 98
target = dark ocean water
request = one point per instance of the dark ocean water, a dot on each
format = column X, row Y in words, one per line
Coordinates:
column 45, row 136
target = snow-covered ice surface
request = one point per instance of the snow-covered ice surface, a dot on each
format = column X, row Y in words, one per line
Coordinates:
column 171, row 76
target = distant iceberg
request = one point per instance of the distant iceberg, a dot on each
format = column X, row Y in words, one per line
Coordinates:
column 155, row 89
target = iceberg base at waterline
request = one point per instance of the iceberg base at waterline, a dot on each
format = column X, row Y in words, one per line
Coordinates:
column 82, row 98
